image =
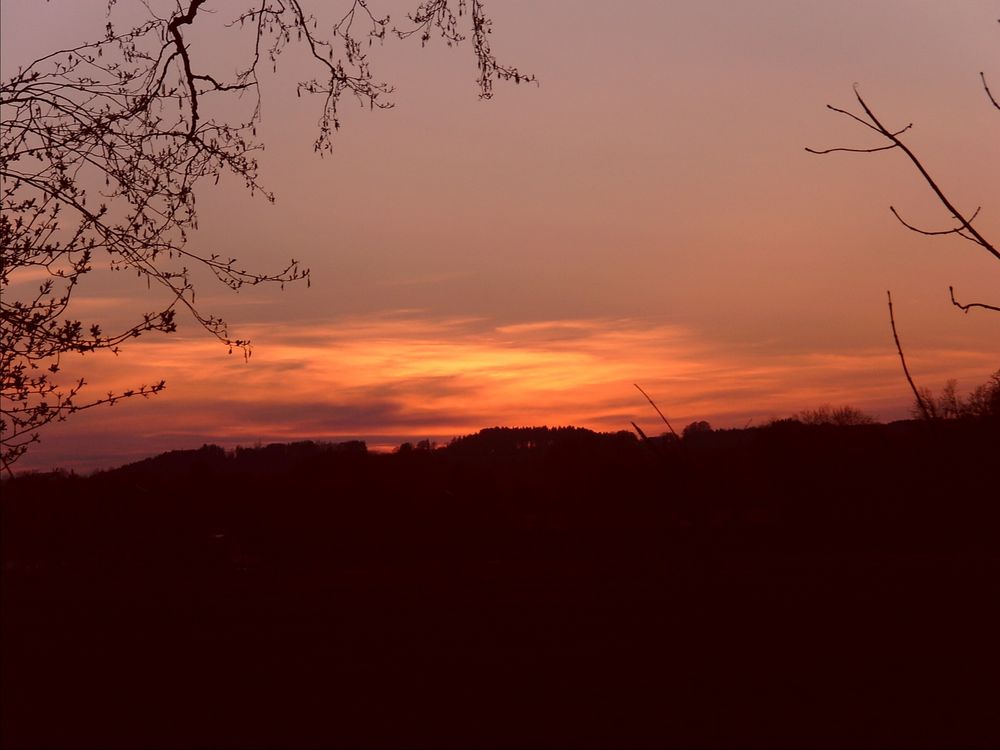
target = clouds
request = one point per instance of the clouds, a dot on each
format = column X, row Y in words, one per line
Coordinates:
column 408, row 375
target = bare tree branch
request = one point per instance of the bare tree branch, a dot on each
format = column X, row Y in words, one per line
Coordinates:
column 953, row 230
column 965, row 223
column 920, row 401
column 850, row 150
column 873, row 123
column 989, row 93
column 966, row 307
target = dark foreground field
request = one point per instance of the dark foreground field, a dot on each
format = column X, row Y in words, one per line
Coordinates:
column 781, row 586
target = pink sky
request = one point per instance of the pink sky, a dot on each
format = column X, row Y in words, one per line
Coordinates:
column 646, row 214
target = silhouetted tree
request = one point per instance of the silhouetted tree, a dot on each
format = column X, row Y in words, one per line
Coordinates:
column 701, row 427
column 983, row 401
column 842, row 416
column 105, row 145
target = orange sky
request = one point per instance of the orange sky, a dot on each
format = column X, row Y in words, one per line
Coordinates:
column 646, row 214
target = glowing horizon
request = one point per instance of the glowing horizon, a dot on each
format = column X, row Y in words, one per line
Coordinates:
column 404, row 376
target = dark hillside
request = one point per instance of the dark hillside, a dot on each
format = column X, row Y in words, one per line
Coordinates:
column 780, row 586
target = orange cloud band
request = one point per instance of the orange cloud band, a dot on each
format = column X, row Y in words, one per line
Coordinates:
column 405, row 376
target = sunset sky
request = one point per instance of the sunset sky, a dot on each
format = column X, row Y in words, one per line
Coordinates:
column 646, row 214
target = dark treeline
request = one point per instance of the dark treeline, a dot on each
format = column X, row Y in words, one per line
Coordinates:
column 794, row 584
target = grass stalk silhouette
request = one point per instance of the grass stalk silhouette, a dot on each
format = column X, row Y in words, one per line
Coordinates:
column 653, row 404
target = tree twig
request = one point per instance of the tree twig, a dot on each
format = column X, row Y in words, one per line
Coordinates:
column 989, row 93
column 933, row 233
column 920, row 401
column 966, row 307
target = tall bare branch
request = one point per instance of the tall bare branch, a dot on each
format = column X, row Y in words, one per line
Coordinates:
column 906, row 371
column 964, row 227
